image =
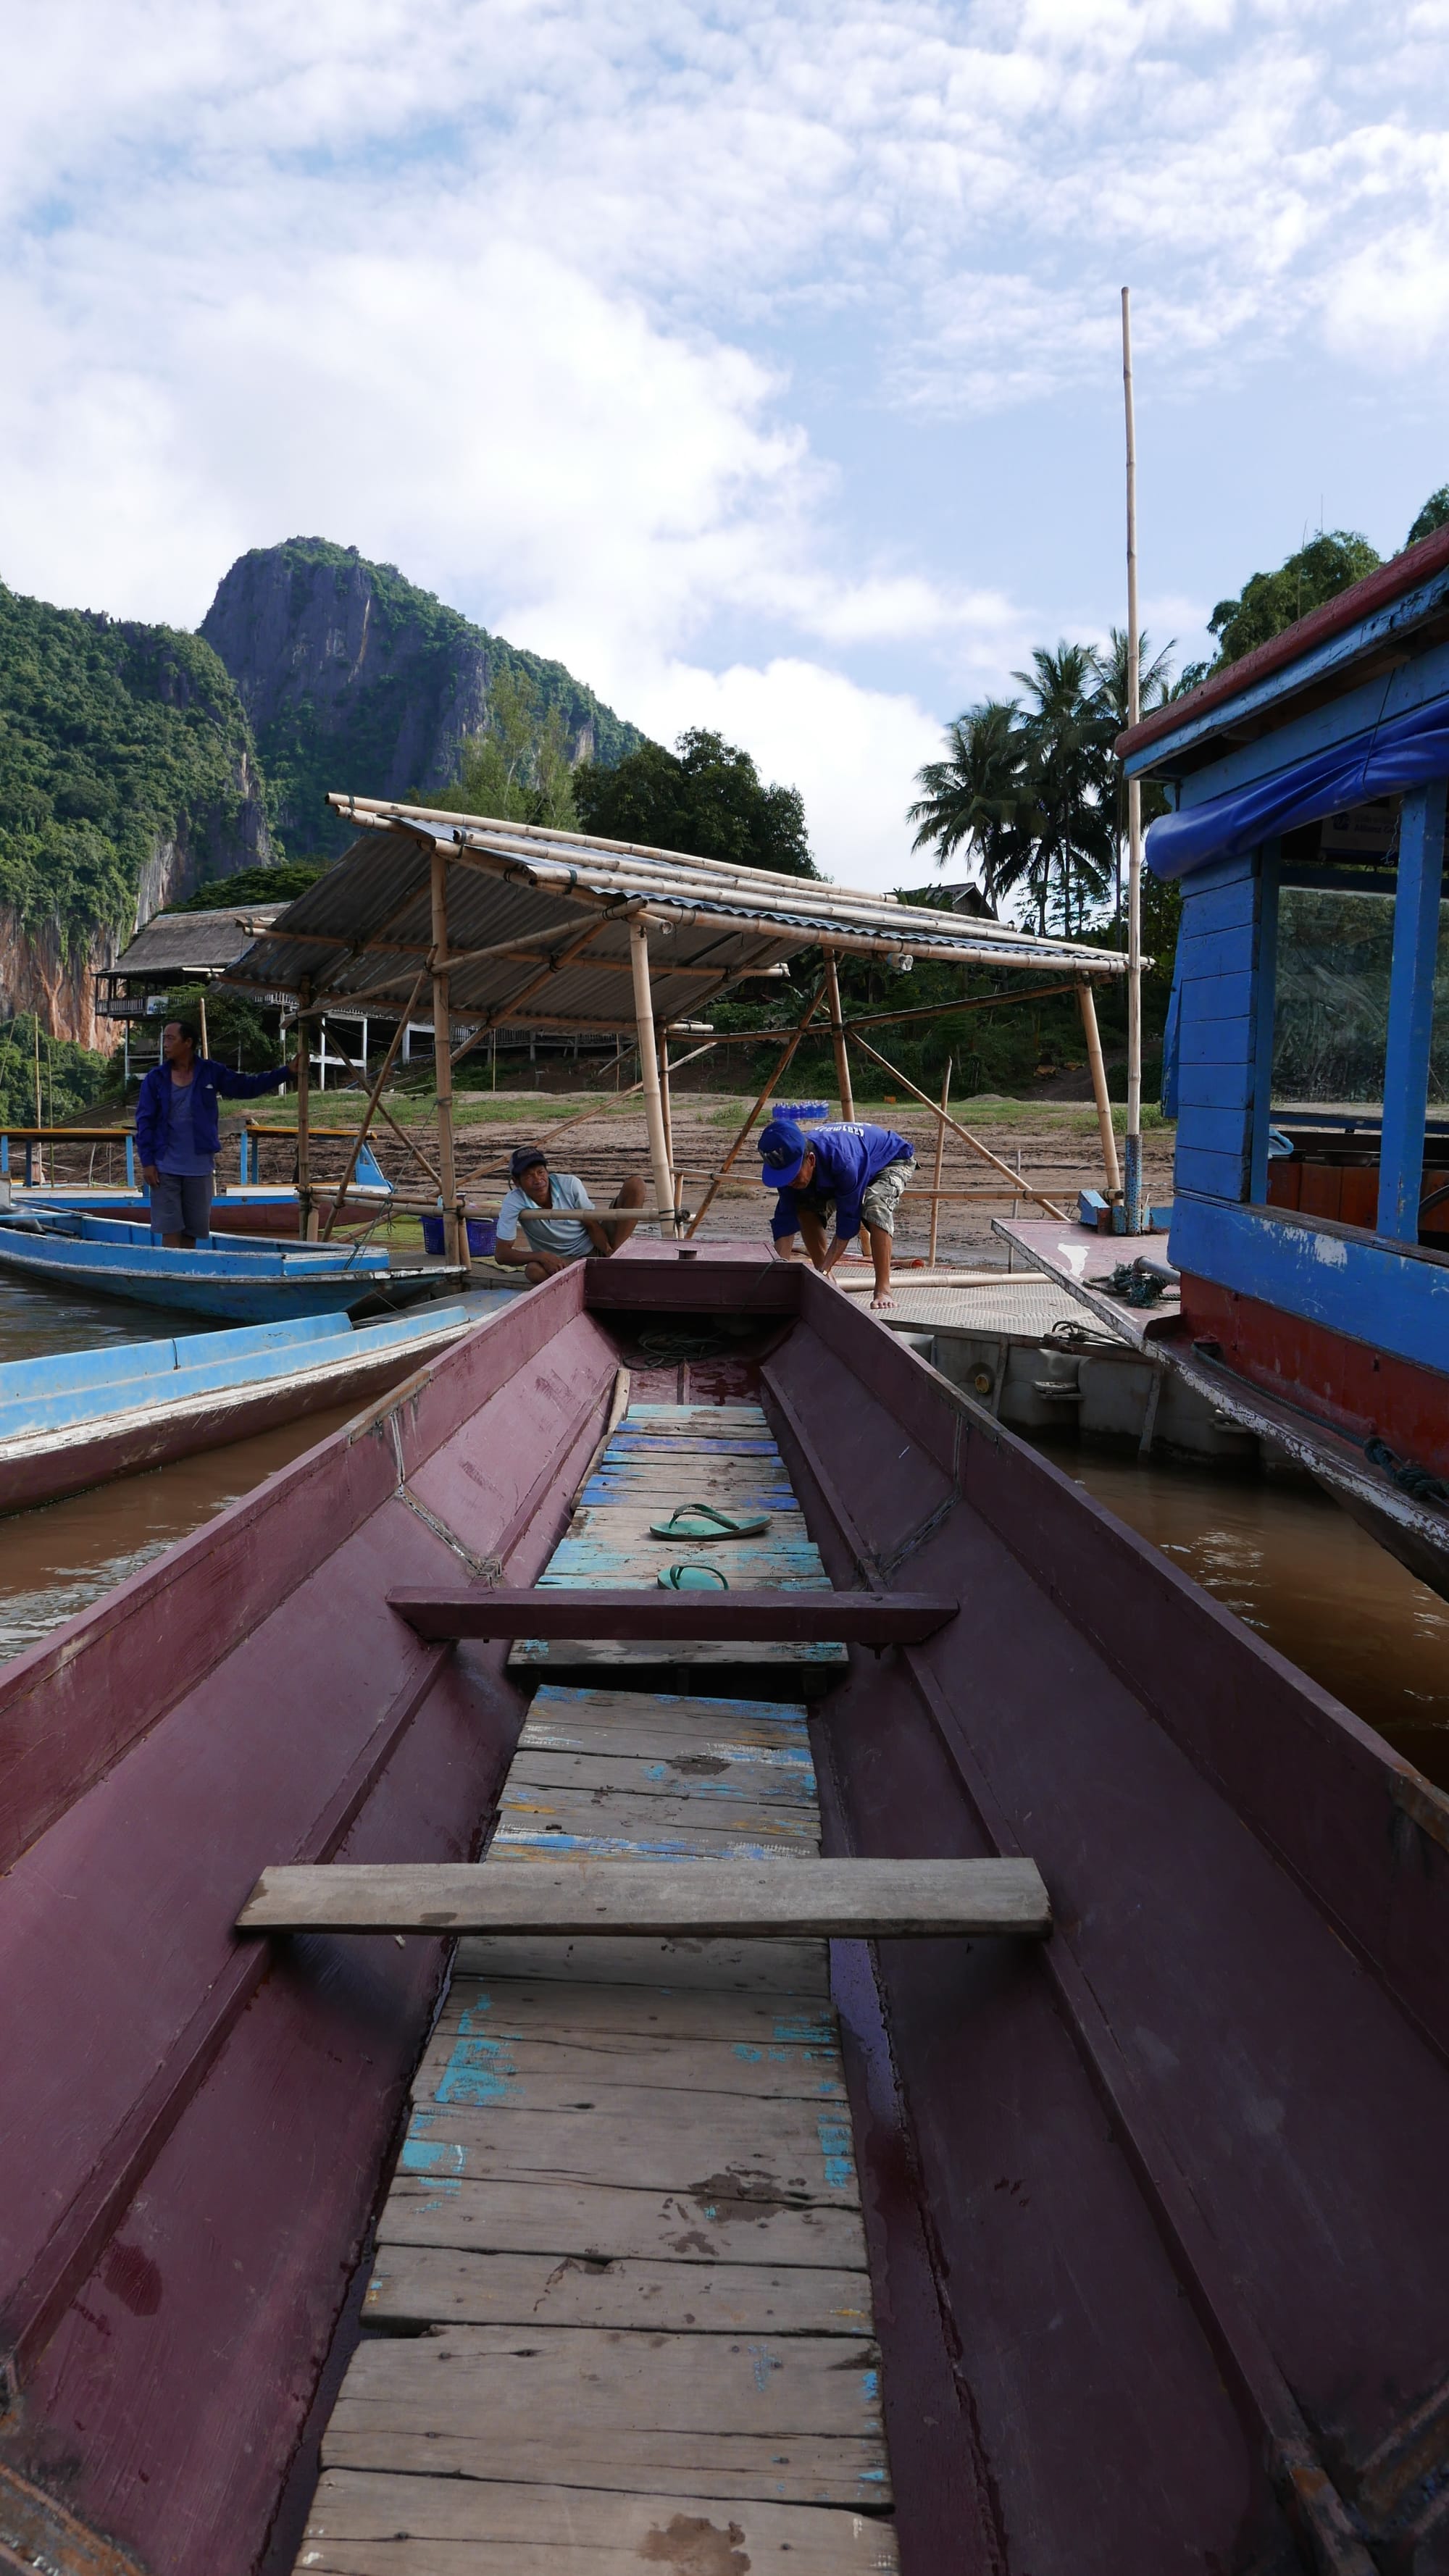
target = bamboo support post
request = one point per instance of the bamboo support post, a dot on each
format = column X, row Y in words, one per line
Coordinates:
column 649, row 1066
column 668, row 1114
column 306, row 1212
column 837, row 1036
column 455, row 1235
column 370, row 1111
column 738, row 1146
column 201, row 1016
column 1088, row 1005
column 964, row 1133
column 936, row 1190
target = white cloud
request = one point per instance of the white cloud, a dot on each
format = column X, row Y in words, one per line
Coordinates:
column 852, row 752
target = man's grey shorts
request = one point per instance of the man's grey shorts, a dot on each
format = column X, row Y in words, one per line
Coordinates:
column 879, row 1204
column 181, row 1204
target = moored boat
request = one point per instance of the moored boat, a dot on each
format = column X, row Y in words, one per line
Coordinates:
column 247, row 1282
column 78, row 1418
column 1153, row 2208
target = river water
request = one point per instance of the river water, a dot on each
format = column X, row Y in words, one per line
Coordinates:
column 1287, row 1561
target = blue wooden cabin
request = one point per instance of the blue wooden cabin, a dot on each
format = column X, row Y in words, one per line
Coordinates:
column 1307, row 1054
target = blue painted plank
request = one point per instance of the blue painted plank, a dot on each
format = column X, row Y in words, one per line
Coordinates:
column 1376, row 1292
column 1203, row 1038
column 1218, row 952
column 1231, row 906
column 1214, row 1175
column 1214, row 1130
column 787, row 1713
column 1206, row 1085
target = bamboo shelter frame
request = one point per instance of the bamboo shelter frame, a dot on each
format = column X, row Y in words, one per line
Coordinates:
column 380, row 928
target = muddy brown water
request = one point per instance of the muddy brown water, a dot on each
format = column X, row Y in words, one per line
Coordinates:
column 1289, row 1563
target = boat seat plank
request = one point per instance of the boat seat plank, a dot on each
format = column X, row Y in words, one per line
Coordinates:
column 415, row 2287
column 370, row 2524
column 728, row 1775
column 826, row 1899
column 622, row 1654
column 795, row 1613
column 586, row 1720
column 609, row 2222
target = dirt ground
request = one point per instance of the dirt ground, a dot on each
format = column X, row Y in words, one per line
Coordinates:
column 1054, row 1145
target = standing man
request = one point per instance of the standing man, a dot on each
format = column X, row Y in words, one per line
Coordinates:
column 857, row 1172
column 178, row 1131
column 551, row 1242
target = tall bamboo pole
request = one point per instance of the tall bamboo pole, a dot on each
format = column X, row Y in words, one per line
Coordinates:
column 455, row 1239
column 837, row 1033
column 667, row 1113
column 306, row 1213
column 940, row 1159
column 649, row 1067
column 1105, row 1127
column 201, row 1015
column 1132, row 1146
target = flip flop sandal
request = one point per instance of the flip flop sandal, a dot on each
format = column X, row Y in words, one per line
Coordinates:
column 692, row 1578
column 702, row 1520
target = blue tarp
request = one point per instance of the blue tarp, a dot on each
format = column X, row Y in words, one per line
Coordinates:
column 1401, row 754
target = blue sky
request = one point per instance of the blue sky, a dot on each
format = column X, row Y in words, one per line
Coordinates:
column 760, row 362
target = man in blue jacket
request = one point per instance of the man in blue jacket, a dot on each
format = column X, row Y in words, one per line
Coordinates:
column 178, row 1130
column 858, row 1172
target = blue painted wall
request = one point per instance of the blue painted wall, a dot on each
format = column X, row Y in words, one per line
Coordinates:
column 1374, row 1291
column 1215, row 988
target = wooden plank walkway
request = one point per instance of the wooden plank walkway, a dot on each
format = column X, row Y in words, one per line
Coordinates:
column 620, row 2314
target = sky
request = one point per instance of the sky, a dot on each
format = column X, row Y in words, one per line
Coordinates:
column 760, row 361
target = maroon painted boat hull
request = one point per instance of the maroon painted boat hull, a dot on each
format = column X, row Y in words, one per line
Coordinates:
column 1158, row 2220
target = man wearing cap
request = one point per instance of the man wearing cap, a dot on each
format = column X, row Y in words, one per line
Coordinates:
column 542, row 1202
column 857, row 1171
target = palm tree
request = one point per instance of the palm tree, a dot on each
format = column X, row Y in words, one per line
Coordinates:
column 976, row 798
column 1154, row 689
column 1066, row 733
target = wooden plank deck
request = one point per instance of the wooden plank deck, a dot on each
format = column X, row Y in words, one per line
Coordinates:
column 620, row 2313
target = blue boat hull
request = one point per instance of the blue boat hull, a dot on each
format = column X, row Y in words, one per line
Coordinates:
column 261, row 1286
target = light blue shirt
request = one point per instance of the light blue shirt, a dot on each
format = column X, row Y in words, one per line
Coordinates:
column 181, row 1157
column 543, row 1231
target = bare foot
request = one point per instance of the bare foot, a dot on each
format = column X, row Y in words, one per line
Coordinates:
column 885, row 1299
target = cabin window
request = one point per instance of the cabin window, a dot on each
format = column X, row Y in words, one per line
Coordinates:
column 1331, row 1002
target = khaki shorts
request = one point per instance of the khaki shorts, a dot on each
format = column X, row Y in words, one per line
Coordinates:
column 878, row 1207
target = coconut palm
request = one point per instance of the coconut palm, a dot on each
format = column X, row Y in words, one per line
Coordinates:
column 1154, row 688
column 1066, row 734
column 976, row 798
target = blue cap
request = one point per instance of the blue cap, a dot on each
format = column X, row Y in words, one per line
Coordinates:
column 524, row 1160
column 783, row 1148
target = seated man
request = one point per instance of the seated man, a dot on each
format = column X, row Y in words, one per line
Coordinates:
column 858, row 1172
column 551, row 1241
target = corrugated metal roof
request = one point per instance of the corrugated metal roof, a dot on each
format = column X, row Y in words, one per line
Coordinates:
column 178, row 943
column 538, row 924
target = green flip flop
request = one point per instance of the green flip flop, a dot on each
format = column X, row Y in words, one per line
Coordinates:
column 692, row 1578
column 705, row 1520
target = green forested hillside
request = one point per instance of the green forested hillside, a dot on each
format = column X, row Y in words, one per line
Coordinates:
column 113, row 737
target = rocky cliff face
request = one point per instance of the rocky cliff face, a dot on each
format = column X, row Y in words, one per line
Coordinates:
column 354, row 678
column 128, row 775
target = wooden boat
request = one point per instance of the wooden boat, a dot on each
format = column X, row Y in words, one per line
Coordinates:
column 250, row 1282
column 73, row 1419
column 1153, row 2209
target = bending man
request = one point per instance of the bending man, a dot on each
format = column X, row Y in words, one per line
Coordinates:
column 551, row 1241
column 178, row 1131
column 857, row 1172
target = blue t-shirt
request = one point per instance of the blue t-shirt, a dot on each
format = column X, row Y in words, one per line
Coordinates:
column 181, row 1157
column 543, row 1231
column 847, row 1159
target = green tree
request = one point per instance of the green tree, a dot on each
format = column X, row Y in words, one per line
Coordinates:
column 1270, row 601
column 977, row 799
column 1067, row 733
column 1154, row 688
column 281, row 884
column 517, row 769
column 705, row 797
column 1434, row 514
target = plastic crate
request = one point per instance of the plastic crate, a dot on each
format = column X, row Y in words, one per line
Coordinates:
column 482, row 1235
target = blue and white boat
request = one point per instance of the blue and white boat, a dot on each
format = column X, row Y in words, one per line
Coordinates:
column 72, row 1419
column 249, row 1282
